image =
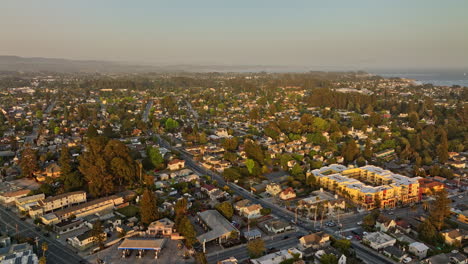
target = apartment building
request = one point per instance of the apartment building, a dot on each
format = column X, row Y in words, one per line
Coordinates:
column 369, row 186
column 62, row 200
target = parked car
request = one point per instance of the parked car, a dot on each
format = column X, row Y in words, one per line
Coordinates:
column 407, row 260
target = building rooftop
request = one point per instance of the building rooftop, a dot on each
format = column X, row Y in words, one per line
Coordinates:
column 218, row 225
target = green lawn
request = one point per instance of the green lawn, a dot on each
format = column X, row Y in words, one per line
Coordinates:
column 129, row 211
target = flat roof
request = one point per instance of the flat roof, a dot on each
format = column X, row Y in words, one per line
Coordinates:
column 142, row 243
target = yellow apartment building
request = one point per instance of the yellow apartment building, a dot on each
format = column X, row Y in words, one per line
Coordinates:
column 369, row 186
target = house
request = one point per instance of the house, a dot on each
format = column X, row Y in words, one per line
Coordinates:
column 463, row 217
column 452, row 237
column 378, row 240
column 84, row 240
column 252, row 211
column 213, row 192
column 437, row 259
column 457, row 257
column 278, row 226
column 394, row 252
column 252, row 234
column 331, row 251
column 273, row 189
column 287, row 194
column 247, row 209
column 163, row 227
column 52, row 170
column 418, row 249
column 176, row 164
column 383, row 223
column 68, row 226
column 315, row 240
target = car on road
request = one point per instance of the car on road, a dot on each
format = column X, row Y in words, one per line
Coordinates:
column 359, row 223
column 460, row 196
column 285, row 237
column 349, row 237
column 357, row 237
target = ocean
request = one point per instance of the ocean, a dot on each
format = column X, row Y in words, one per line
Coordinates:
column 438, row 78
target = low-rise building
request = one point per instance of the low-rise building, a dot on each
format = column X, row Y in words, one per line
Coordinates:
column 163, row 227
column 418, row 249
column 378, row 240
column 453, row 237
column 218, row 228
column 176, row 164
column 287, row 194
column 278, row 257
column 89, row 208
column 315, row 240
column 62, row 200
column 273, row 189
column 278, row 226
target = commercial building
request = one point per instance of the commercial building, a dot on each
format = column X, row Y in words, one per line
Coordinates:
column 217, row 226
column 369, row 186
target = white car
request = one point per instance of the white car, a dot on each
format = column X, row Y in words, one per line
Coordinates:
column 359, row 223
column 407, row 260
column 349, row 237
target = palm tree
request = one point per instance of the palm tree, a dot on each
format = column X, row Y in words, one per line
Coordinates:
column 45, row 247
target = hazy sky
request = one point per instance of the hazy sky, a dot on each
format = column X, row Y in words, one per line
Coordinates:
column 326, row 33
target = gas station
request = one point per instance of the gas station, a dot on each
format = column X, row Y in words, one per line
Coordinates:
column 141, row 245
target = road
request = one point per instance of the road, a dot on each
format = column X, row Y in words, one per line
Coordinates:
column 366, row 254
column 147, row 111
column 56, row 254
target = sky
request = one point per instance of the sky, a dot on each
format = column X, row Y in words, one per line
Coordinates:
column 347, row 34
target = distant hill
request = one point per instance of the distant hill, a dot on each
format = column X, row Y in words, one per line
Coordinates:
column 16, row 63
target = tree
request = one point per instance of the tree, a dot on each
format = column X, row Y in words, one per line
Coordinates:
column 368, row 150
column 439, row 209
column 249, row 163
column 427, row 231
column 343, row 245
column 231, row 174
column 44, row 247
column 350, row 151
column 230, row 144
column 43, row 260
column 328, row 259
column 442, row 148
column 155, row 157
column 71, row 179
column 185, row 228
column 92, row 132
column 256, row 248
column 171, row 124
column 28, row 162
column 148, row 207
column 94, row 167
column 120, row 162
column 226, row 209
column 254, row 151
column 97, row 234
